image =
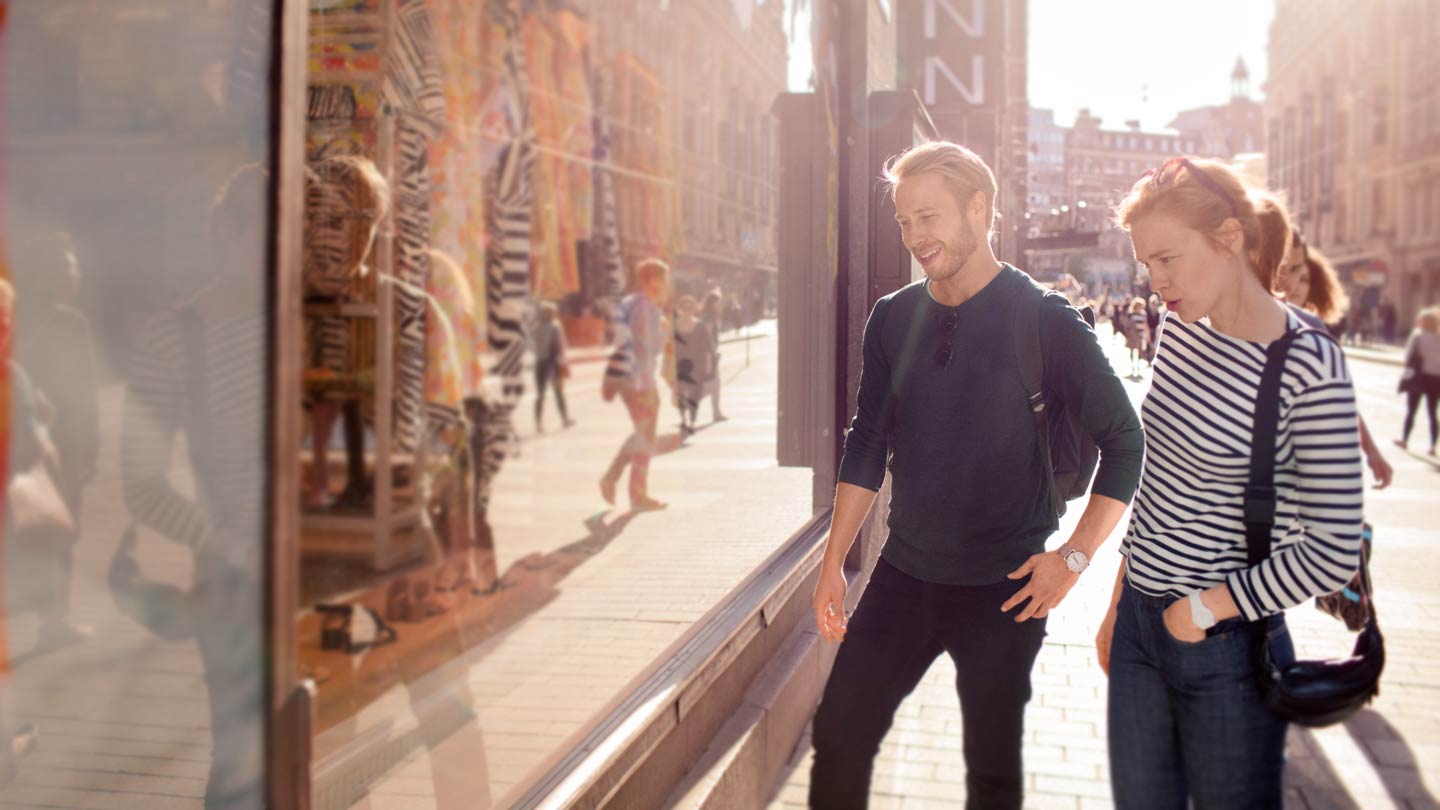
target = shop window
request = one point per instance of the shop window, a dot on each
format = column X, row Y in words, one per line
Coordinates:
column 525, row 557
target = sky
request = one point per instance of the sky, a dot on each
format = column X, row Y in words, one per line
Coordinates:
column 1145, row 59
column 1124, row 59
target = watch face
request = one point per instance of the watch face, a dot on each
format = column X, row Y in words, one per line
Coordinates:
column 1076, row 561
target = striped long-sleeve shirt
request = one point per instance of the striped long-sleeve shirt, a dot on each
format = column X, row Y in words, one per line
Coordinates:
column 1187, row 532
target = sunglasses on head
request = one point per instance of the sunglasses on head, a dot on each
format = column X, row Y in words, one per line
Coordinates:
column 947, row 337
column 1169, row 173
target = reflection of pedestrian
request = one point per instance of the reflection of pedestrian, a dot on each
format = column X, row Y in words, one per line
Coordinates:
column 1421, row 377
column 642, row 315
column 551, row 364
column 194, row 371
column 1388, row 318
column 49, row 328
column 693, row 354
column 710, row 316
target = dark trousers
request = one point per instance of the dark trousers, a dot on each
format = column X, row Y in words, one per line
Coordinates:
column 900, row 627
column 1188, row 727
column 1428, row 386
column 547, row 375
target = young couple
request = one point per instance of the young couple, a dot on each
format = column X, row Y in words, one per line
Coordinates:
column 964, row 570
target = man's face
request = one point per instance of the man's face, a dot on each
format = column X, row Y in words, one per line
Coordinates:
column 940, row 230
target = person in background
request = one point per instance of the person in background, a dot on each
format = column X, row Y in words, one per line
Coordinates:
column 710, row 317
column 643, row 313
column 552, row 365
column 693, row 354
column 1422, row 374
column 1137, row 335
column 54, row 344
column 1309, row 285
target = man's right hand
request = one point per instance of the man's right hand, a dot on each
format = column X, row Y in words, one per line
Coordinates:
column 829, row 604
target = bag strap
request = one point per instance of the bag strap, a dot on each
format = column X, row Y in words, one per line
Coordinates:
column 1260, row 499
column 1030, row 357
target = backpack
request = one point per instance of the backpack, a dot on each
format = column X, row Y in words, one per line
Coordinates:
column 1066, row 450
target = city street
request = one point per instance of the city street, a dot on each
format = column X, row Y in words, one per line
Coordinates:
column 1387, row 756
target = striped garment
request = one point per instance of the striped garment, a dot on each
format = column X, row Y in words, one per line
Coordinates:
column 224, row 516
column 1187, row 533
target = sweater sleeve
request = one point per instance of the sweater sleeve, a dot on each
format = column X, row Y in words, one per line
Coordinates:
column 1077, row 370
column 867, row 444
column 1325, row 553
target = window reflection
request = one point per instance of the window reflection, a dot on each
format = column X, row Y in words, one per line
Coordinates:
column 542, row 400
column 135, row 219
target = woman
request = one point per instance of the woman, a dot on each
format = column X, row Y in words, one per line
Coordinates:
column 710, row 316
column 551, row 364
column 1137, row 335
column 1186, row 719
column 642, row 314
column 1309, row 285
column 1422, row 373
column 693, row 353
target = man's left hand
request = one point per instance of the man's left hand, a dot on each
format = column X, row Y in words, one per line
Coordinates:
column 1050, row 581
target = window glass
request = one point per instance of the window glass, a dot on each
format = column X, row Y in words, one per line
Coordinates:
column 134, row 223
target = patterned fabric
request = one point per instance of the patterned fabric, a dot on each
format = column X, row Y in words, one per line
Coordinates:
column 454, row 369
column 411, row 86
column 611, row 284
column 507, row 263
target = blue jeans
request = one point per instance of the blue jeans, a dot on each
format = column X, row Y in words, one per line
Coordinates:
column 1186, row 719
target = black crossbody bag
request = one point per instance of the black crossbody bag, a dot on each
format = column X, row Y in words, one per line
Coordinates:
column 1317, row 692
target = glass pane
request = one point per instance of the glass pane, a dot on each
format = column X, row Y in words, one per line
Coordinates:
column 134, row 229
column 505, row 522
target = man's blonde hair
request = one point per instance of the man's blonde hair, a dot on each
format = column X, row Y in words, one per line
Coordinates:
column 962, row 170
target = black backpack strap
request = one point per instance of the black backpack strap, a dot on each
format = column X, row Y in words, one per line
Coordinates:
column 1031, row 359
column 1259, row 514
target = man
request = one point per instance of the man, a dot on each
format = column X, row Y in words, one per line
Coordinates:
column 964, row 569
column 642, row 312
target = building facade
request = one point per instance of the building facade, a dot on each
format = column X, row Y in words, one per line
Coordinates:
column 1352, row 119
column 1225, row 130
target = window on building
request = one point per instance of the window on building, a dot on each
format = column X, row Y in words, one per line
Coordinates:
column 1379, row 116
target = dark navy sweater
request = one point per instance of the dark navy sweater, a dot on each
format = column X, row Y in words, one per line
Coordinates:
column 969, row 501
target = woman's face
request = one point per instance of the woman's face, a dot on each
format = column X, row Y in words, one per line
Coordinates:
column 1187, row 270
column 1291, row 273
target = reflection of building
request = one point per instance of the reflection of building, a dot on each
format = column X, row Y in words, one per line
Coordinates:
column 720, row 74
column 1046, row 187
column 1353, row 139
column 1226, row 130
column 1102, row 164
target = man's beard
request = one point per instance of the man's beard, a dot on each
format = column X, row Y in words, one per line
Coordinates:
column 965, row 246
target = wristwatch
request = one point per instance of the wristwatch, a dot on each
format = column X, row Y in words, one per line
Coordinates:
column 1075, row 559
column 1203, row 616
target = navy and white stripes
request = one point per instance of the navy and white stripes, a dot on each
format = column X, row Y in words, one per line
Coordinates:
column 1187, row 533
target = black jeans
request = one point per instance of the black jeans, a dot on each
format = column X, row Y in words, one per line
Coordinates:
column 1428, row 386
column 900, row 627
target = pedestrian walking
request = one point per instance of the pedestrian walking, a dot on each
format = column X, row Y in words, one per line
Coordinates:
column 1187, row 723
column 710, row 317
column 964, row 572
column 1421, row 377
column 693, row 355
column 552, row 365
column 1137, row 335
column 644, row 339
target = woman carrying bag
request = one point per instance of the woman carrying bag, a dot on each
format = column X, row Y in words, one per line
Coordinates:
column 1188, row 720
column 1421, row 377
